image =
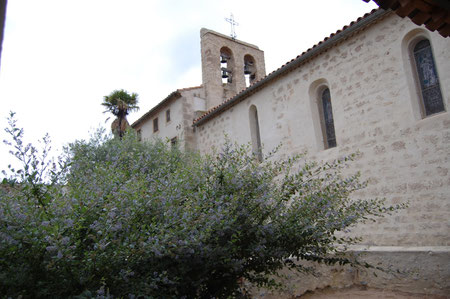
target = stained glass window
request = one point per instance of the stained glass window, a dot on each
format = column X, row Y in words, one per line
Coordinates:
column 328, row 119
column 428, row 78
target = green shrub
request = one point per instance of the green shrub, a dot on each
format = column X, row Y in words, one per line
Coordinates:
column 120, row 218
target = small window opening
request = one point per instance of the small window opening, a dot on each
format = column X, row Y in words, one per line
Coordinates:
column 428, row 78
column 173, row 142
column 155, row 125
column 167, row 115
column 139, row 135
column 225, row 65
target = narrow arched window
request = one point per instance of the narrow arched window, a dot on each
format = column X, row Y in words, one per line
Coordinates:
column 428, row 78
column 327, row 119
column 254, row 130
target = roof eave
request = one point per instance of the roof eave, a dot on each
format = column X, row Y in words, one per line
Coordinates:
column 174, row 95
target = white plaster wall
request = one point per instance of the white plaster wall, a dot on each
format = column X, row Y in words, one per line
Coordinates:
column 166, row 130
column 182, row 111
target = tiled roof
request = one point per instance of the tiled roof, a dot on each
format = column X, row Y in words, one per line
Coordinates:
column 189, row 88
column 174, row 95
column 325, row 44
column 434, row 14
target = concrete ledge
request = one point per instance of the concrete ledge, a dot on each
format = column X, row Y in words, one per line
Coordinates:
column 420, row 271
column 369, row 248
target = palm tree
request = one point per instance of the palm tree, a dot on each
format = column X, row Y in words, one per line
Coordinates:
column 120, row 103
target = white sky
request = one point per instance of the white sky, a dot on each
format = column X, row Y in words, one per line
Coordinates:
column 60, row 57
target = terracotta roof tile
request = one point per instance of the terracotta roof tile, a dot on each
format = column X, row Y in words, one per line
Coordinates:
column 434, row 14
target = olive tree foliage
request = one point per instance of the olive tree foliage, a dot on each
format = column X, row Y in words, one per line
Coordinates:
column 120, row 218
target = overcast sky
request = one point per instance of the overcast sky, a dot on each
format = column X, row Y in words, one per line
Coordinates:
column 60, row 57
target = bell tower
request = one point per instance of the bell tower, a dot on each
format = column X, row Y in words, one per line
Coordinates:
column 228, row 66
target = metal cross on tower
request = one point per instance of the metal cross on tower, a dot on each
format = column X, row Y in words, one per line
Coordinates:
column 233, row 23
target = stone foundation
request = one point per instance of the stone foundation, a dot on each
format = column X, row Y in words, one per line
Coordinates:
column 412, row 272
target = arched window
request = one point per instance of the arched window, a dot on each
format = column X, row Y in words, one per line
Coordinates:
column 254, row 130
column 428, row 80
column 226, row 65
column 327, row 119
column 249, row 70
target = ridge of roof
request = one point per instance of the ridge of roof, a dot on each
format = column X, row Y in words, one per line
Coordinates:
column 318, row 48
column 189, row 88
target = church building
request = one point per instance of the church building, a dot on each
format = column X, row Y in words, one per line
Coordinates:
column 379, row 86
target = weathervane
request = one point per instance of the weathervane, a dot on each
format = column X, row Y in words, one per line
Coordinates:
column 233, row 23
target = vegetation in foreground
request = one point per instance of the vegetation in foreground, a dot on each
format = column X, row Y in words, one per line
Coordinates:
column 123, row 219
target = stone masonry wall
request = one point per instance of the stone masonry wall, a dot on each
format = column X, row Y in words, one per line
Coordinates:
column 180, row 123
column 405, row 158
column 211, row 43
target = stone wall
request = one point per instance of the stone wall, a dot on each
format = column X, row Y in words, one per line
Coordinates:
column 410, row 272
column 377, row 112
column 404, row 157
column 376, row 106
column 211, row 44
column 193, row 100
column 180, row 124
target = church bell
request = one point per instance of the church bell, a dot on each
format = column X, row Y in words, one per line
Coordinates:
column 248, row 68
column 224, row 58
column 224, row 73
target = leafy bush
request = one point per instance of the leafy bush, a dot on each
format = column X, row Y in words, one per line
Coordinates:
column 121, row 218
